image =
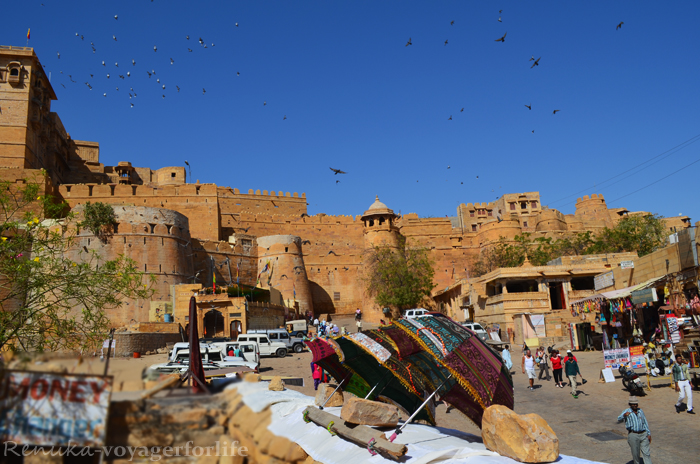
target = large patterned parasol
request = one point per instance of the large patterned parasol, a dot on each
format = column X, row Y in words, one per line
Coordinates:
column 328, row 355
column 479, row 377
column 373, row 362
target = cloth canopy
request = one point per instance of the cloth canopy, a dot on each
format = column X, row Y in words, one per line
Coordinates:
column 621, row 293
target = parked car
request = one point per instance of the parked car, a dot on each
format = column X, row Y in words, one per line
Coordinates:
column 212, row 358
column 250, row 351
column 476, row 328
column 414, row 313
column 292, row 343
column 267, row 347
column 298, row 328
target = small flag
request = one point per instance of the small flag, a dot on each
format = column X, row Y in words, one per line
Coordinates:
column 213, row 278
column 294, row 287
column 28, row 31
column 238, row 280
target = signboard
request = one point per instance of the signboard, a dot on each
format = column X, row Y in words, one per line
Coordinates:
column 607, row 375
column 637, row 357
column 604, row 280
column 672, row 322
column 644, row 296
column 42, row 408
column 627, row 264
column 614, row 358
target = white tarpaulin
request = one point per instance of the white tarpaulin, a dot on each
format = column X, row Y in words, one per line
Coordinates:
column 425, row 444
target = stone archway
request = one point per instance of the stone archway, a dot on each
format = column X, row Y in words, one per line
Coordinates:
column 235, row 329
column 213, row 324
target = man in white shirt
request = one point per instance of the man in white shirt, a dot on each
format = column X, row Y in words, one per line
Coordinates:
column 528, row 366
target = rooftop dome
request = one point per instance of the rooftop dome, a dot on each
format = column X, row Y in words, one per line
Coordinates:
column 378, row 208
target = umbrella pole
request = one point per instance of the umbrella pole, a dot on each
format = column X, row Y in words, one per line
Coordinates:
column 331, row 395
column 375, row 387
column 400, row 429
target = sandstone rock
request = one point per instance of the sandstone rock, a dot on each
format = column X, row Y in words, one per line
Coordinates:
column 230, row 452
column 278, row 448
column 162, row 351
column 324, row 391
column 276, row 384
column 525, row 438
column 295, row 453
column 186, row 415
column 251, row 377
column 366, row 412
column 149, row 437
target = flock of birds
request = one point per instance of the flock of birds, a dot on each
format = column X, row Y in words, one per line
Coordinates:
column 502, row 39
column 126, row 76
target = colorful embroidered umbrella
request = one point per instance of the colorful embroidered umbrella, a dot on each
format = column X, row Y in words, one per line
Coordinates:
column 370, row 360
column 326, row 354
column 476, row 368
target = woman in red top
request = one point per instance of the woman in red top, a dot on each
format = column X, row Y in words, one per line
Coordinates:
column 556, row 368
column 318, row 373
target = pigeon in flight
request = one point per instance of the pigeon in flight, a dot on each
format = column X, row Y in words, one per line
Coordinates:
column 238, row 74
column 502, row 39
column 448, row 167
column 204, row 91
column 409, row 42
column 536, row 63
column 59, row 55
column 187, row 37
column 236, row 24
column 499, row 19
column 337, row 181
column 337, row 171
column 532, row 58
column 128, row 74
column 103, row 63
column 114, row 37
column 121, row 76
column 172, row 61
column 178, row 88
column 201, row 42
column 445, row 42
column 189, row 50
column 107, row 75
column 264, row 103
column 132, row 105
column 619, row 25
column 116, row 64
column 452, row 23
column 555, row 111
column 149, row 74
column 155, row 49
column 450, row 118
column 285, row 117
column 462, row 110
column 529, row 107
column 116, row 17
column 133, row 62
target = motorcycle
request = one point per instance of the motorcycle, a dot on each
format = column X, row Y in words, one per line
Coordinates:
column 631, row 381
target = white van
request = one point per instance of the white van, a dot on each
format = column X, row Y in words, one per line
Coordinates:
column 267, row 347
column 414, row 313
column 476, row 328
column 249, row 350
column 292, row 342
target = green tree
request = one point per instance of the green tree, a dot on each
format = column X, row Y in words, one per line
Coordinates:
column 502, row 254
column 399, row 278
column 98, row 218
column 47, row 300
column 641, row 233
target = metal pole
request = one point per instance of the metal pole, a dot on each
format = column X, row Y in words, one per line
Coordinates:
column 400, row 429
column 331, row 395
column 109, row 350
column 375, row 387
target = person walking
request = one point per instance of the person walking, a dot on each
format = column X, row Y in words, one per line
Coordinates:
column 505, row 355
column 571, row 369
column 681, row 377
column 639, row 435
column 318, row 373
column 528, row 366
column 557, row 368
column 543, row 360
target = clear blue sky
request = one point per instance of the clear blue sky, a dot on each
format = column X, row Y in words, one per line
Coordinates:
column 357, row 99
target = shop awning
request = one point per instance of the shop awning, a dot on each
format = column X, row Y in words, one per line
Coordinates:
column 621, row 293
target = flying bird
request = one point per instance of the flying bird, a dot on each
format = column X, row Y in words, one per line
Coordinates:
column 59, row 55
column 201, row 42
column 132, row 105
column 536, row 63
column 128, row 74
column 238, row 74
column 448, row 167
column 450, row 118
column 332, row 252
column 187, row 37
column 445, row 42
column 452, row 23
column 178, row 88
column 306, row 242
column 116, row 17
column 555, row 111
column 529, row 107
column 337, row 181
column 502, row 39
column 285, row 117
column 264, row 103
column 619, row 25
column 204, row 91
column 133, row 62
column 409, row 42
column 532, row 58
column 499, row 19
column 155, row 49
column 189, row 50
column 103, row 63
column 236, row 24
column 114, row 37
column 246, row 229
column 108, row 76
column 462, row 110
column 337, row 171
column 172, row 61
column 116, row 64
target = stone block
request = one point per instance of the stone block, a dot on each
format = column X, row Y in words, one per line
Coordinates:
column 366, row 412
column 185, row 415
column 525, row 438
column 149, row 436
column 324, row 391
column 251, row 377
column 276, row 384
